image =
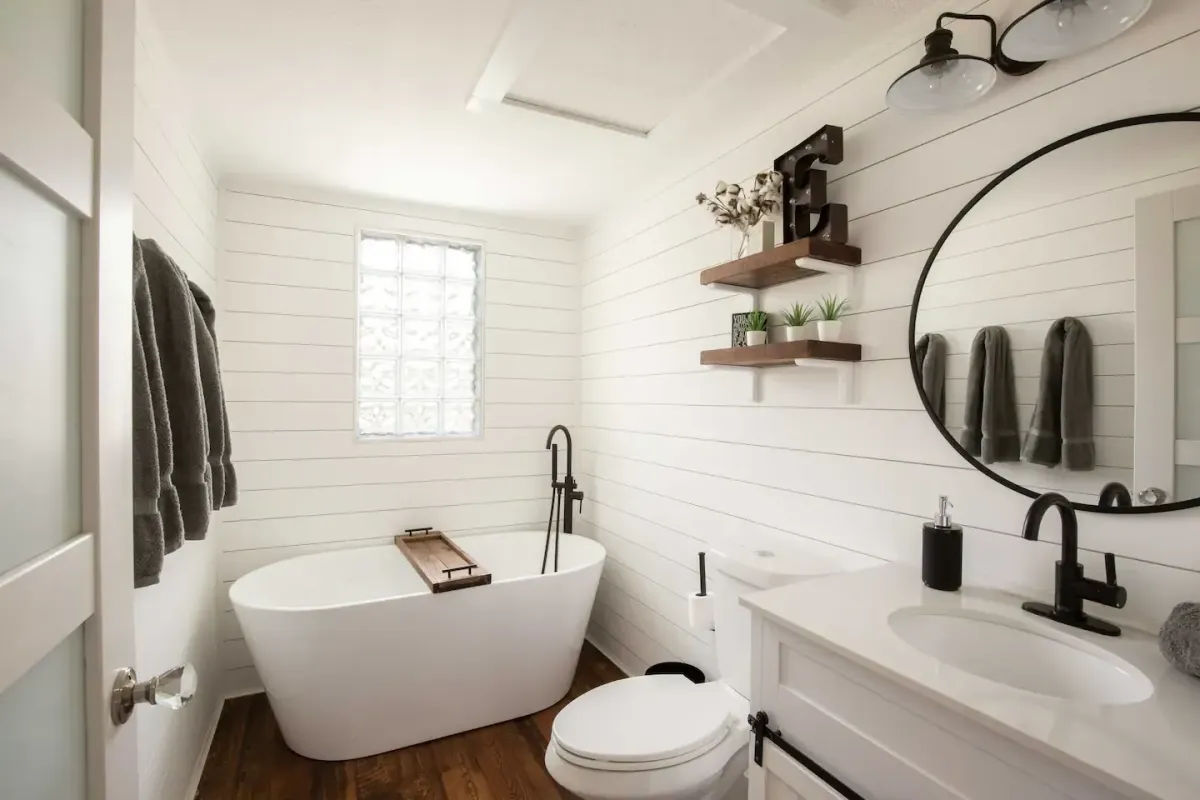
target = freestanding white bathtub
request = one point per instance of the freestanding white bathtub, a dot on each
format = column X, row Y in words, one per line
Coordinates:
column 358, row 657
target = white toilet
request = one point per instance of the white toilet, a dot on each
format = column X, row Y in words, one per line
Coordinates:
column 663, row 737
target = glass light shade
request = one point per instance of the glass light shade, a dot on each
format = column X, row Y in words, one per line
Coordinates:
column 943, row 85
column 1062, row 28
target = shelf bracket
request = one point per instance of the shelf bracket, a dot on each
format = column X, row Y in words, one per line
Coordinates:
column 844, row 371
column 844, row 273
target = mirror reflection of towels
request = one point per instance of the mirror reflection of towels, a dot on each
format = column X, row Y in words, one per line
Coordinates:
column 990, row 423
column 931, row 364
column 1062, row 427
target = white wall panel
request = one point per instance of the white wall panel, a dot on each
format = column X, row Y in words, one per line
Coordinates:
column 677, row 457
column 176, row 620
column 288, row 344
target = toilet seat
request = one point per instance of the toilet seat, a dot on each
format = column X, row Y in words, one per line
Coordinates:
column 644, row 723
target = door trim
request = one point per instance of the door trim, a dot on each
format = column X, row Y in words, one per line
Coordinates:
column 107, row 387
column 35, row 625
column 44, row 144
column 1154, row 345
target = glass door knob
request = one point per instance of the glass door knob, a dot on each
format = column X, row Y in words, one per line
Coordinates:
column 174, row 689
column 1152, row 496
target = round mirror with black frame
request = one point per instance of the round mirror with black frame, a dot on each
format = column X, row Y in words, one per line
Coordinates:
column 1055, row 330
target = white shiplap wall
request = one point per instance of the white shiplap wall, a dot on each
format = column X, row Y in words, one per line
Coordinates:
column 287, row 348
column 677, row 457
column 175, row 202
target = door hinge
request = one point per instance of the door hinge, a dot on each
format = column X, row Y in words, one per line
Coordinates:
column 761, row 728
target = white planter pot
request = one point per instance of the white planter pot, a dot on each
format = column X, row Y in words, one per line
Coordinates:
column 829, row 330
column 755, row 338
column 795, row 333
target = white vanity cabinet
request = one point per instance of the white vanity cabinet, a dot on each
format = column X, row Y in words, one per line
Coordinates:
column 880, row 740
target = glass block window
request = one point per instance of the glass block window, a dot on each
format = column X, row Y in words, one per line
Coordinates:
column 418, row 338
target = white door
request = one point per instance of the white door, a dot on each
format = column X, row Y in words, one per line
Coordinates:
column 1166, row 464
column 66, row 562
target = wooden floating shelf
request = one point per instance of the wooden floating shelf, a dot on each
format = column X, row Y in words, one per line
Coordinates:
column 793, row 261
column 782, row 353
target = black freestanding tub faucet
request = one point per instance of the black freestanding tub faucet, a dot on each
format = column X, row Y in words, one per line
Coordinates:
column 567, row 486
column 563, row 495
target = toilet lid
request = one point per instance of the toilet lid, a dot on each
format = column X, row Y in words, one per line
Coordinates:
column 639, row 720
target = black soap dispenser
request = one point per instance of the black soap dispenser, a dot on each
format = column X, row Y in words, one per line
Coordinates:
column 941, row 550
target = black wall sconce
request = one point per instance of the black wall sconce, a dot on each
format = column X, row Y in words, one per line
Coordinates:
column 946, row 79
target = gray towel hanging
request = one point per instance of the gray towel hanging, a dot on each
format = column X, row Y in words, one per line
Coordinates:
column 990, row 422
column 1061, row 430
column 931, row 365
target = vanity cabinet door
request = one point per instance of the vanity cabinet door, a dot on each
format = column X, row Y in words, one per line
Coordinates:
column 883, row 742
column 782, row 778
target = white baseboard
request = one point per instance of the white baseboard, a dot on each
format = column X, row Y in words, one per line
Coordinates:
column 198, row 770
column 609, row 656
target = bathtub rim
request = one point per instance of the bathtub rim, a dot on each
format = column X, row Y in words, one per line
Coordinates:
column 594, row 552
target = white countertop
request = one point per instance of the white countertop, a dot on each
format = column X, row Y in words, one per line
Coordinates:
column 1146, row 750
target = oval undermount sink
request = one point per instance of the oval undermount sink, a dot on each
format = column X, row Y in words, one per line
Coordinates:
column 1004, row 651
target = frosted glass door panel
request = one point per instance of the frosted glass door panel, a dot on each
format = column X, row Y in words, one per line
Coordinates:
column 1187, row 363
column 42, row 714
column 42, row 729
column 1187, row 268
column 39, row 375
column 43, row 40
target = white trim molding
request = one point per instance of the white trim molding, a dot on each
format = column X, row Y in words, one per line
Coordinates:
column 59, row 587
column 44, row 144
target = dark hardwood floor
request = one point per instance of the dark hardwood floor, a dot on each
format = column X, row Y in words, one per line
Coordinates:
column 248, row 758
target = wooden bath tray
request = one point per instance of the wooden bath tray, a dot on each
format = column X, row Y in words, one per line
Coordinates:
column 441, row 564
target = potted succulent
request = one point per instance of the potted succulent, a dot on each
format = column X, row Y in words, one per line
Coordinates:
column 832, row 308
column 756, row 328
column 743, row 208
column 796, row 318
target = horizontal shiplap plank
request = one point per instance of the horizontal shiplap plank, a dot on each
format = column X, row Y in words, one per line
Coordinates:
column 257, row 475
column 544, row 367
column 259, row 357
column 282, row 329
column 287, row 503
column 271, row 240
column 284, row 271
column 285, row 445
column 536, row 295
column 1109, row 298
column 362, row 525
column 251, row 417
column 530, row 270
column 334, row 216
column 291, row 300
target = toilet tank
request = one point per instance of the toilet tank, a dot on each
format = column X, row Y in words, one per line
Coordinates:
column 733, row 573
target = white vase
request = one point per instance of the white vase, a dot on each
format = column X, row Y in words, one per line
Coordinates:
column 829, row 330
column 755, row 338
column 795, row 333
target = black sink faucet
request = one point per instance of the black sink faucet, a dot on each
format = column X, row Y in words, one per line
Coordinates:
column 568, row 485
column 1070, row 587
column 1115, row 494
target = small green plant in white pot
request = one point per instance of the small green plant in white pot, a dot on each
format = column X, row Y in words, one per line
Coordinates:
column 796, row 317
column 831, row 308
column 756, row 328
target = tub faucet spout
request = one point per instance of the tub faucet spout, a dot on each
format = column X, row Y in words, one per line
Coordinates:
column 568, row 485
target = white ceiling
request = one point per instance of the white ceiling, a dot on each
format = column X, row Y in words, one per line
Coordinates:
column 370, row 96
